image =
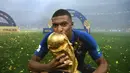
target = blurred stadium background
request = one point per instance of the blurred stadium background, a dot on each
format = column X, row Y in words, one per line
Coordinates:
column 110, row 26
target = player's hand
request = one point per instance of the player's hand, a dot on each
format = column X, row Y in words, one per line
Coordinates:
column 58, row 63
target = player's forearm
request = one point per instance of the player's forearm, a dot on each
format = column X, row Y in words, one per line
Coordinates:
column 102, row 68
column 34, row 72
column 37, row 67
column 38, row 72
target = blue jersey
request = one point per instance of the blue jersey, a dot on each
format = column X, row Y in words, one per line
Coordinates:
column 82, row 43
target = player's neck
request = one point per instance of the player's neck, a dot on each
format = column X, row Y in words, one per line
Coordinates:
column 70, row 35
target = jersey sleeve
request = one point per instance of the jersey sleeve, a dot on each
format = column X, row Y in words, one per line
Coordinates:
column 42, row 49
column 93, row 47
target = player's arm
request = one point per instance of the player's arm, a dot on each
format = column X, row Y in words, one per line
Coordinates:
column 102, row 65
column 96, row 54
column 34, row 64
column 99, row 59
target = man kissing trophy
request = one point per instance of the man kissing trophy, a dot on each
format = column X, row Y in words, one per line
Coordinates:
column 58, row 43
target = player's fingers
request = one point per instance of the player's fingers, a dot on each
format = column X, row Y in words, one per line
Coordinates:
column 64, row 59
column 66, row 63
column 60, row 56
column 68, row 71
column 69, row 62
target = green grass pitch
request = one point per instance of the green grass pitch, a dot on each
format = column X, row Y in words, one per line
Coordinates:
column 17, row 48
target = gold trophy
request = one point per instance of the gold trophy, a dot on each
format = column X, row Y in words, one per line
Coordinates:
column 58, row 43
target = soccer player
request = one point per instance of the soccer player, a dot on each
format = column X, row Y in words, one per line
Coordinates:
column 81, row 41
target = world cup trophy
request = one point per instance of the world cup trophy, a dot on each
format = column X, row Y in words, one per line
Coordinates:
column 58, row 43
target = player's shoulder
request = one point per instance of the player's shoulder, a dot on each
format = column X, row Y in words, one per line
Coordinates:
column 80, row 33
column 45, row 37
column 47, row 34
column 84, row 36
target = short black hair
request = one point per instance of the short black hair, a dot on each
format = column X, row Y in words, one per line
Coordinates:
column 62, row 12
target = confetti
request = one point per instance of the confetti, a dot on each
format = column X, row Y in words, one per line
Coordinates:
column 117, row 62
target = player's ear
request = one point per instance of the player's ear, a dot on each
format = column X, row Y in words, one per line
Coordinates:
column 72, row 23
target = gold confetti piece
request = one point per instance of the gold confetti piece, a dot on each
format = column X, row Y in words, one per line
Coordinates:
column 10, row 68
column 14, row 67
column 126, row 50
column 33, row 40
column 22, row 48
column 27, row 54
column 124, row 56
column 21, row 71
column 117, row 62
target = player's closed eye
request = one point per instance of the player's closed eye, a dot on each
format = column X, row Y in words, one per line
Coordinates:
column 54, row 25
column 63, row 24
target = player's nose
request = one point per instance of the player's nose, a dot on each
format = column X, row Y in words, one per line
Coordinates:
column 59, row 29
